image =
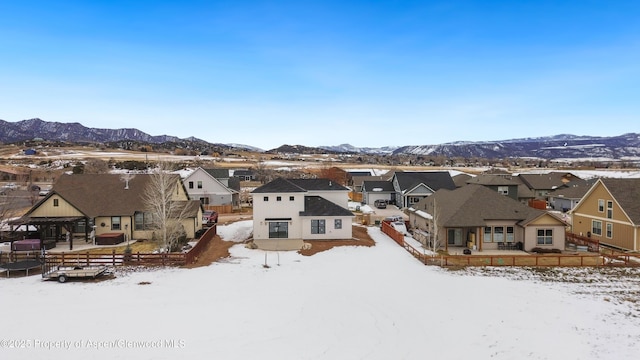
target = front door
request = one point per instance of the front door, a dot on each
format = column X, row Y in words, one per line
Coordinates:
column 454, row 237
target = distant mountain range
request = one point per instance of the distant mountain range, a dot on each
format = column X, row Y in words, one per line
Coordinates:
column 623, row 147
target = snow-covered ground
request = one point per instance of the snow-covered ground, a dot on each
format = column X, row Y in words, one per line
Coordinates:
column 345, row 303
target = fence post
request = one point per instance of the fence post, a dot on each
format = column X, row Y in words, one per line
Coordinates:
column 87, row 257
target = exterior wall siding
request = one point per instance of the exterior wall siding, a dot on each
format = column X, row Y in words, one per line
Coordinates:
column 272, row 208
column 64, row 209
column 331, row 233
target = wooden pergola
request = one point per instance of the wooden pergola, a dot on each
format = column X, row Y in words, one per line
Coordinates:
column 45, row 223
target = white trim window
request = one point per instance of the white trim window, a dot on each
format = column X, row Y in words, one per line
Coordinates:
column 600, row 205
column 503, row 190
column 545, row 237
column 609, row 230
column 596, row 227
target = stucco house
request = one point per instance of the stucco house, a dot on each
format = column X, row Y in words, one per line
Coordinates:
column 288, row 211
column 479, row 217
column 413, row 186
column 610, row 213
column 211, row 187
column 109, row 203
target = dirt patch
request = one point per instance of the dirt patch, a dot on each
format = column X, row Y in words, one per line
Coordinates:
column 360, row 238
column 216, row 249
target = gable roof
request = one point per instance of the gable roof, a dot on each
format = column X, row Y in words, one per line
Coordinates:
column 548, row 181
column 473, row 205
column 573, row 190
column 435, row 180
column 627, row 193
column 282, row 185
column 461, row 179
column 319, row 206
column 104, row 194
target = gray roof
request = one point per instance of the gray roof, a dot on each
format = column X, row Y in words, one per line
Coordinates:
column 384, row 186
column 435, row 180
column 473, row 205
column 627, row 193
column 461, row 179
column 282, row 185
column 319, row 206
column 493, row 180
column 573, row 190
column 218, row 173
column 548, row 181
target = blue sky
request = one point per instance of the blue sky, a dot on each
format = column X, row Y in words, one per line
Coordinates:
column 368, row 73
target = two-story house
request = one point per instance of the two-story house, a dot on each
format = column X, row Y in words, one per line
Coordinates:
column 211, row 187
column 288, row 211
column 610, row 213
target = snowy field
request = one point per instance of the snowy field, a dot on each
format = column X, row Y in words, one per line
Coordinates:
column 346, row 303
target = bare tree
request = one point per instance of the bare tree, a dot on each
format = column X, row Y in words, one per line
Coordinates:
column 435, row 241
column 166, row 210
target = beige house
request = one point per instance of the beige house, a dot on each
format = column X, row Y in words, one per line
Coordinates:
column 109, row 205
column 477, row 217
column 610, row 213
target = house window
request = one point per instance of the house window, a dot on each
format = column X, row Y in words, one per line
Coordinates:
column 510, row 234
column 596, row 227
column 199, row 184
column 266, row 198
column 278, row 198
column 317, row 227
column 503, row 190
column 278, row 230
column 609, row 209
column 115, row 223
column 600, row 205
column 291, row 198
column 190, row 184
column 487, row 234
column 609, row 230
column 80, row 226
column 55, row 202
column 143, row 221
column 337, row 224
column 414, row 199
column 498, row 234
column 545, row 237
column 204, row 200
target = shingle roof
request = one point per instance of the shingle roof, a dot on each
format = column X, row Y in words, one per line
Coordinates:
column 319, row 206
column 104, row 194
column 318, row 184
column 495, row 180
column 435, row 180
column 627, row 194
column 282, row 185
column 461, row 179
column 548, row 181
column 473, row 205
column 279, row 185
column 384, row 186
column 218, row 173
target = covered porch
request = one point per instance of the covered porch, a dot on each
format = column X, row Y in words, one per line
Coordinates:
column 49, row 230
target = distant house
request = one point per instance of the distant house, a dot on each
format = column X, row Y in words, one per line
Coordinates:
column 110, row 203
column 567, row 197
column 479, row 217
column 610, row 213
column 503, row 185
column 544, row 183
column 288, row 211
column 377, row 190
column 30, row 152
column 412, row 186
column 244, row 175
column 202, row 184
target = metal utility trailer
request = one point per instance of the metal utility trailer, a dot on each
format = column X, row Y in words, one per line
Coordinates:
column 62, row 273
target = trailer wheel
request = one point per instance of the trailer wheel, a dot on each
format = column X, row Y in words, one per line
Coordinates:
column 62, row 278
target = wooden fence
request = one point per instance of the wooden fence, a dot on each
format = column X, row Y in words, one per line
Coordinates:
column 220, row 209
column 193, row 254
column 607, row 257
column 591, row 244
column 113, row 259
